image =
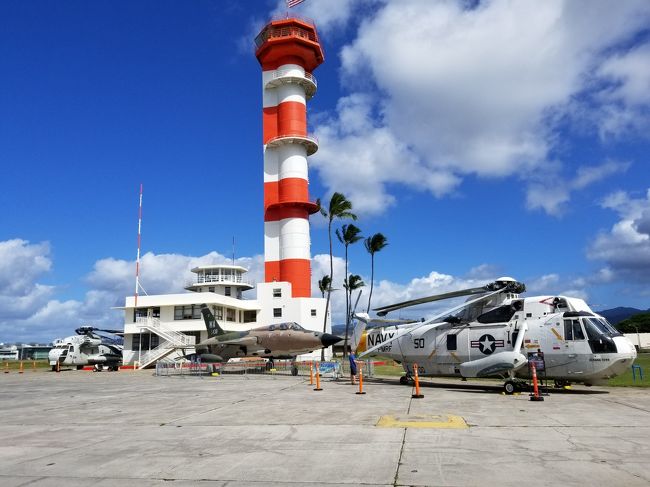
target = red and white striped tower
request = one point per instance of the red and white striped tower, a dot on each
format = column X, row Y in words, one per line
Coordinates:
column 288, row 51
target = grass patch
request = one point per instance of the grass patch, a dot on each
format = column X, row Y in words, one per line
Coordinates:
column 392, row 369
column 625, row 380
column 28, row 365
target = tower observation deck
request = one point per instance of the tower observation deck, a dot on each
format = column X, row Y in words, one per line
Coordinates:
column 288, row 51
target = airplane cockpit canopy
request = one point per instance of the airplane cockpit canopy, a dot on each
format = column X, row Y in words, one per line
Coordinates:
column 286, row 326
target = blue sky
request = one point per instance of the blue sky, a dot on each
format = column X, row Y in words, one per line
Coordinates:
column 483, row 139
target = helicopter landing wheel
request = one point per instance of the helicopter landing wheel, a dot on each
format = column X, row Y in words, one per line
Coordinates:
column 510, row 387
column 405, row 379
column 560, row 384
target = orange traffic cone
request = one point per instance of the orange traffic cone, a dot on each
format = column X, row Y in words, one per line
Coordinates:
column 318, row 387
column 417, row 394
column 361, row 379
column 535, row 395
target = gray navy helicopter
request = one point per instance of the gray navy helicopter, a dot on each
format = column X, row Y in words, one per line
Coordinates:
column 497, row 334
column 87, row 347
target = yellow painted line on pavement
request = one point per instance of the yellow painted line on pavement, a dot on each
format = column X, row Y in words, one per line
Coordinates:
column 441, row 422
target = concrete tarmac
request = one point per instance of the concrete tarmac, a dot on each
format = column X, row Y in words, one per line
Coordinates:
column 128, row 428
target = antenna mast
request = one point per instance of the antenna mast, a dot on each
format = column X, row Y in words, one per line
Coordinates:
column 137, row 259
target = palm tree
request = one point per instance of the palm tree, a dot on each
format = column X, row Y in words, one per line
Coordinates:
column 350, row 284
column 347, row 235
column 374, row 244
column 324, row 284
column 339, row 207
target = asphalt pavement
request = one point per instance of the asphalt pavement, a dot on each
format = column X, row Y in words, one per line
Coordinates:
column 80, row 428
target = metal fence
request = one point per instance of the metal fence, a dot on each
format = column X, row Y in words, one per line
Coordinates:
column 332, row 369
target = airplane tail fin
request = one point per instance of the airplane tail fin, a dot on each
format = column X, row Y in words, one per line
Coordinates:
column 210, row 322
column 361, row 321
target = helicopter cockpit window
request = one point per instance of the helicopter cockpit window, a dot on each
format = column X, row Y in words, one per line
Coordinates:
column 71, row 348
column 296, row 326
column 573, row 330
column 600, row 338
column 283, row 326
column 452, row 343
column 271, row 327
column 597, row 326
column 502, row 314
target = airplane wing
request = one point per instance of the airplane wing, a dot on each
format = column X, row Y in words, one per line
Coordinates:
column 245, row 341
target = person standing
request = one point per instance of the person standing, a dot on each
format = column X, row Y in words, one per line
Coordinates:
column 353, row 367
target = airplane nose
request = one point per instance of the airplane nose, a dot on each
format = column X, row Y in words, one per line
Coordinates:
column 327, row 339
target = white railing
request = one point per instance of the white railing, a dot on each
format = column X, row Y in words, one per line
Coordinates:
column 154, row 325
column 157, row 354
column 308, row 140
column 173, row 340
column 209, row 279
column 294, row 73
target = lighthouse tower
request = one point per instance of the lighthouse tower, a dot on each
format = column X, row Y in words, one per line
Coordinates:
column 288, row 51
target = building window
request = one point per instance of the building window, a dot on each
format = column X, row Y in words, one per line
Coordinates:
column 195, row 334
column 277, row 293
column 250, row 316
column 227, row 291
column 277, row 312
column 142, row 313
column 218, row 312
column 230, row 314
column 144, row 341
column 189, row 312
column 313, row 312
column 211, row 289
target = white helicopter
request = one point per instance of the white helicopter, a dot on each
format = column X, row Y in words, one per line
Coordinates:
column 87, row 348
column 497, row 334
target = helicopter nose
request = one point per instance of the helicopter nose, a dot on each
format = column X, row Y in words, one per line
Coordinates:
column 328, row 339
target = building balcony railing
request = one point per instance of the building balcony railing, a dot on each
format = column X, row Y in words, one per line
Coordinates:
column 309, row 141
column 211, row 279
column 296, row 76
column 274, row 32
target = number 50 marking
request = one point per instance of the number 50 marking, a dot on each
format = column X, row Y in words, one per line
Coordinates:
column 418, row 343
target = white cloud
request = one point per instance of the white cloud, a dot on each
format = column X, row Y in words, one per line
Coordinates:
column 20, row 263
column 626, row 247
column 28, row 310
column 551, row 192
column 626, row 92
column 328, row 15
column 358, row 159
column 470, row 91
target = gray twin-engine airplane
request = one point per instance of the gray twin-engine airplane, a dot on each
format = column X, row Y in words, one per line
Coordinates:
column 497, row 334
column 276, row 341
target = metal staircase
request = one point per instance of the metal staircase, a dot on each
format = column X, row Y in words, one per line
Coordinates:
column 172, row 340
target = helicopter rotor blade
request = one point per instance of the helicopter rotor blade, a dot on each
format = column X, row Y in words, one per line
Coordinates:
column 447, row 312
column 384, row 310
column 504, row 284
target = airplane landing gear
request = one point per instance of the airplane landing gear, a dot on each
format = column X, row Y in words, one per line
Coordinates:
column 511, row 386
column 405, row 380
